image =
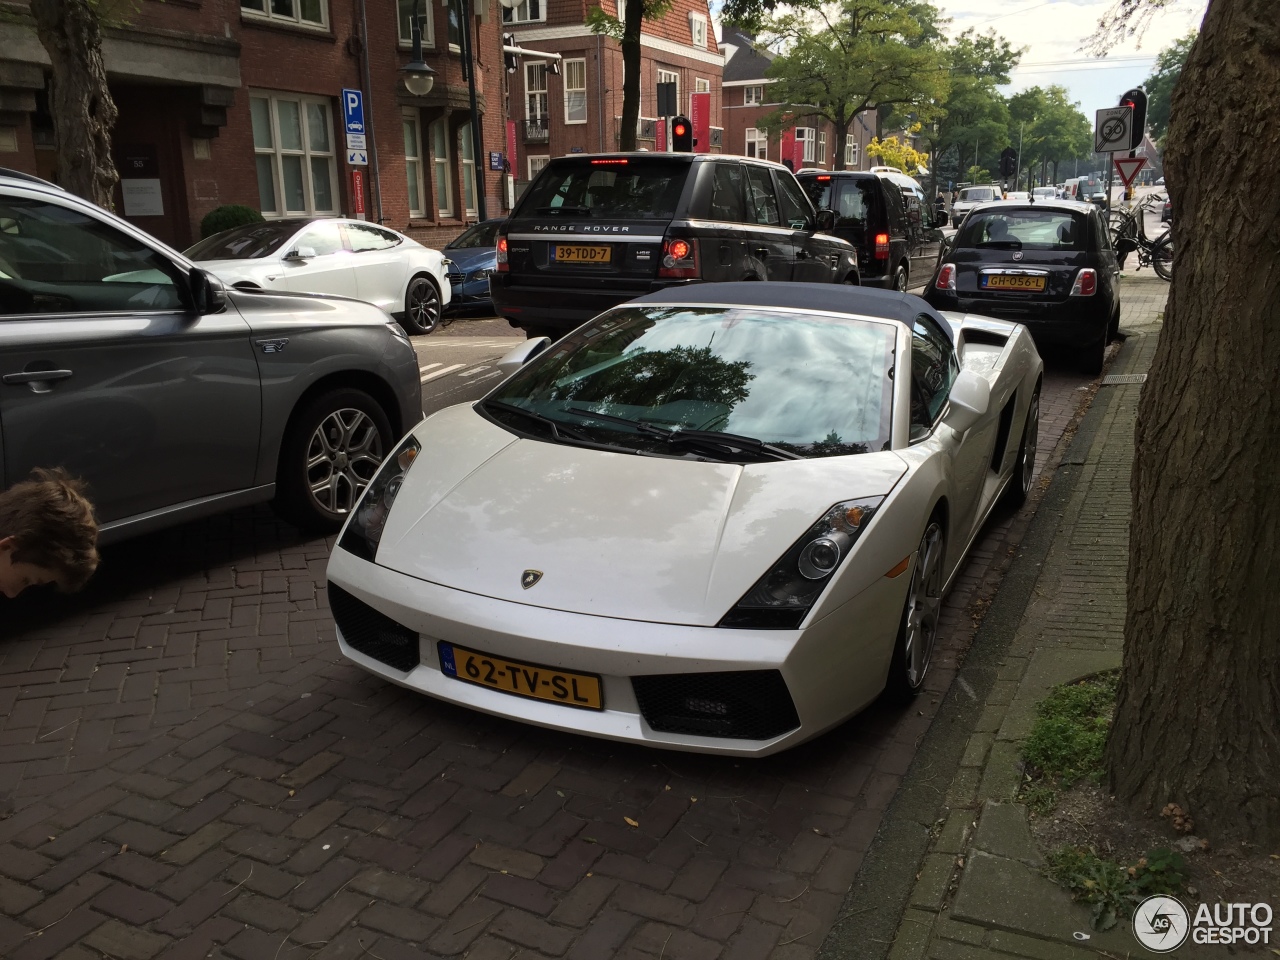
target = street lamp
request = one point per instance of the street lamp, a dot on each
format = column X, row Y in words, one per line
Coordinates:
column 418, row 75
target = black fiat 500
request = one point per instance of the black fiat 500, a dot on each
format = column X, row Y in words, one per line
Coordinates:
column 1049, row 265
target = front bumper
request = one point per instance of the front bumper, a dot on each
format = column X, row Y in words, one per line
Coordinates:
column 831, row 668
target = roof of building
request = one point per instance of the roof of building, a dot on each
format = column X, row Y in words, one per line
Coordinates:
column 746, row 61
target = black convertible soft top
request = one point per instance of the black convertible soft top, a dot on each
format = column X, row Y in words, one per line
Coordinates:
column 828, row 298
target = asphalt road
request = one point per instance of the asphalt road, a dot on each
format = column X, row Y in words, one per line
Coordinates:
column 457, row 362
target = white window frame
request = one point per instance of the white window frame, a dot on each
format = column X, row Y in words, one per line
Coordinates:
column 266, row 13
column 569, row 67
column 822, row 148
column 531, row 68
column 307, row 153
column 808, row 136
column 467, row 167
column 752, row 95
column 701, row 85
column 523, row 13
column 536, row 164
column 426, row 13
column 413, row 164
column 850, row 151
column 444, row 199
column 760, row 140
column 698, row 30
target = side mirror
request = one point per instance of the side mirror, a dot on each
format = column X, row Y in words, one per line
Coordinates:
column 301, row 253
column 970, row 397
column 207, row 292
column 825, row 221
column 943, row 219
column 522, row 354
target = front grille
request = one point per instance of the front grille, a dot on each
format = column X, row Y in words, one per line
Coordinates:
column 372, row 633
column 455, row 277
column 742, row 705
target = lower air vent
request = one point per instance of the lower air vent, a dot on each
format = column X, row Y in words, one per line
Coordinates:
column 744, row 705
column 372, row 633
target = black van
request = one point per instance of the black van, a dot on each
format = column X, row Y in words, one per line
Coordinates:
column 593, row 231
column 896, row 232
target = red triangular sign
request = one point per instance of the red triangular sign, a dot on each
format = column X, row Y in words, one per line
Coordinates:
column 1128, row 167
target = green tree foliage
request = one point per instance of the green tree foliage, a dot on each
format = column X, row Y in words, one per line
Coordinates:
column 844, row 57
column 627, row 33
column 1159, row 85
column 1052, row 128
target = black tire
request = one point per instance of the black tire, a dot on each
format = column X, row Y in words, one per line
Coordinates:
column 1113, row 328
column 852, row 280
column 908, row 670
column 1091, row 358
column 343, row 431
column 1162, row 257
column 1019, row 488
column 901, row 278
column 422, row 308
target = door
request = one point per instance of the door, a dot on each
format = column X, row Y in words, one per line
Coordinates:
column 768, row 242
column 318, row 262
column 105, row 369
column 926, row 244
column 380, row 266
column 813, row 253
column 725, row 246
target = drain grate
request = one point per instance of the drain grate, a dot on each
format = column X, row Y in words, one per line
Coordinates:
column 1120, row 379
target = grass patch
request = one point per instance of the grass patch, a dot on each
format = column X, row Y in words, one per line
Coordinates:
column 1113, row 889
column 1066, row 741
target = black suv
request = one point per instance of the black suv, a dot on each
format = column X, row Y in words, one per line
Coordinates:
column 594, row 231
column 886, row 217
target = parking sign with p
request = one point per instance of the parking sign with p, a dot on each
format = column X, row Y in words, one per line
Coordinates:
column 353, row 111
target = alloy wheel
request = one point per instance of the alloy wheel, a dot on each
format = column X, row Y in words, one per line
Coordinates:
column 422, row 306
column 924, row 603
column 1030, row 441
column 342, row 456
column 900, row 280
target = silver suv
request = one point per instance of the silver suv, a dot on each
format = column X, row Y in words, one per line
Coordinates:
column 173, row 397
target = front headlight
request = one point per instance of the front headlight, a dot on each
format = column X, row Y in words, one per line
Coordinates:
column 364, row 531
column 478, row 275
column 782, row 597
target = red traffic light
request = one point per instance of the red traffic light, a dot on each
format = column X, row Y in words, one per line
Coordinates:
column 679, row 129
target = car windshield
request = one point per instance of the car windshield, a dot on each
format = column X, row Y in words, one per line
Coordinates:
column 622, row 188
column 641, row 377
column 978, row 194
column 1029, row 229
column 246, row 243
column 481, row 235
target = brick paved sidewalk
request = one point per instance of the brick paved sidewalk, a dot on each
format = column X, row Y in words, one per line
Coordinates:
column 187, row 769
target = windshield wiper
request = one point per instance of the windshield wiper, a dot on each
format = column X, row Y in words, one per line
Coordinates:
column 701, row 438
column 559, row 431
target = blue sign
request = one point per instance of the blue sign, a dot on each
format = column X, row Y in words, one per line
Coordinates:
column 353, row 110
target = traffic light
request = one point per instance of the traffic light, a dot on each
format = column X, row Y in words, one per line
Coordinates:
column 1008, row 162
column 681, row 135
column 1136, row 99
column 510, row 60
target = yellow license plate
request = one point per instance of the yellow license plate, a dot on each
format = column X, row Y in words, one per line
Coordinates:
column 1012, row 282
column 522, row 679
column 578, row 253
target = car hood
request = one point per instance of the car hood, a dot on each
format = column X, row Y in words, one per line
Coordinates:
column 613, row 534
column 469, row 259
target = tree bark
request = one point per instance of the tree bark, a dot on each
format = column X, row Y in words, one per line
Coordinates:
column 83, row 111
column 841, row 134
column 632, row 24
column 1197, row 717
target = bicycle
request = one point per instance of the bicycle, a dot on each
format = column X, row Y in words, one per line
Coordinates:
column 1129, row 235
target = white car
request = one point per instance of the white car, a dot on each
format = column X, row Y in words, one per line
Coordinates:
column 347, row 258
column 719, row 518
column 969, row 198
column 1018, row 196
column 1045, row 193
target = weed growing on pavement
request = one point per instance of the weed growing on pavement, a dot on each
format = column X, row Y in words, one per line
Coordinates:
column 1066, row 741
column 1114, row 889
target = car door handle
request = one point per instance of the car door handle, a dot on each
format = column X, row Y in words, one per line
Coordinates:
column 31, row 376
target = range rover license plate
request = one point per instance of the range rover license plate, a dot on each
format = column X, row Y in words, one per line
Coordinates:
column 581, row 253
column 1007, row 281
column 582, row 690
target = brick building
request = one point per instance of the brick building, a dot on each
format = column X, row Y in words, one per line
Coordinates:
column 747, row 100
column 238, row 101
column 580, row 110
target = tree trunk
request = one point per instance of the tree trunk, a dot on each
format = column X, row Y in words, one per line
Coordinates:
column 1196, row 719
column 632, row 23
column 841, row 134
column 83, row 111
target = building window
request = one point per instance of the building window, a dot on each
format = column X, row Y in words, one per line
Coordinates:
column 822, row 148
column 807, row 136
column 575, row 91
column 293, row 147
column 311, row 13
column 536, row 164
column 424, row 18
column 440, row 161
column 698, row 30
column 850, row 150
column 753, row 95
column 468, row 155
column 413, row 163
column 701, row 85
column 757, row 144
column 530, row 11
column 455, row 26
column 535, row 91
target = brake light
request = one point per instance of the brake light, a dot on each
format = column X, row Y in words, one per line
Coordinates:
column 680, row 260
column 824, row 178
column 503, row 266
column 882, row 246
column 946, row 277
column 1086, row 284
column 610, row 162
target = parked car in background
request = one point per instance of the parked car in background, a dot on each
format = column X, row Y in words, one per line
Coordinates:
column 969, row 198
column 1049, row 265
column 173, row 396
column 1018, row 196
column 720, row 518
column 473, row 256
column 348, row 258
column 898, row 235
column 593, row 231
column 1166, row 211
column 1044, row 193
